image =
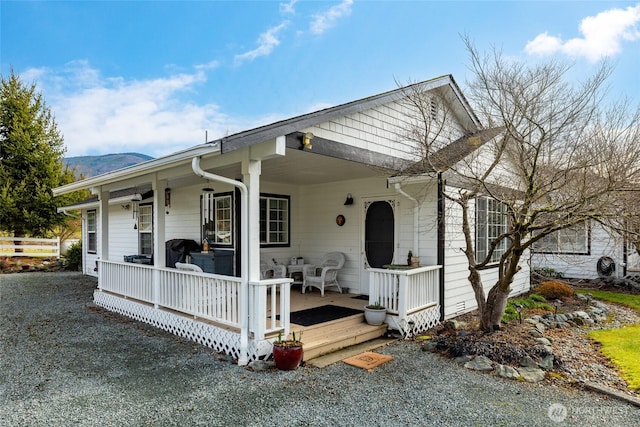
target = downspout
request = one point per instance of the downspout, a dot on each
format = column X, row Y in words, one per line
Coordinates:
column 441, row 241
column 416, row 219
column 243, row 359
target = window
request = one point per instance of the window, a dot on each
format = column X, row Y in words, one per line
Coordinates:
column 92, row 240
column 573, row 240
column 217, row 218
column 274, row 220
column 491, row 222
column 145, row 229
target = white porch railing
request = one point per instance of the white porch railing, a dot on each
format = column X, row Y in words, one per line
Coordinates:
column 405, row 292
column 30, row 247
column 270, row 307
column 201, row 295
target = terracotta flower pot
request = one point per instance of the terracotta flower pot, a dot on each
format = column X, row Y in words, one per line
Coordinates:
column 287, row 358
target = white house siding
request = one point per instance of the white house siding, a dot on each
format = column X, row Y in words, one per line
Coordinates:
column 459, row 296
column 380, row 129
column 603, row 243
column 123, row 237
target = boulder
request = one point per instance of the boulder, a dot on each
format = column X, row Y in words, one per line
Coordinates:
column 532, row 374
column 528, row 362
column 480, row 363
column 543, row 341
column 507, row 371
column 546, row 363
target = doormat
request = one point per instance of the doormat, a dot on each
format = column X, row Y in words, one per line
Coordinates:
column 368, row 360
column 324, row 313
column 362, row 297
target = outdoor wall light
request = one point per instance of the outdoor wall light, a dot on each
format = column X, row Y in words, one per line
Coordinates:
column 349, row 200
column 305, row 141
column 167, row 197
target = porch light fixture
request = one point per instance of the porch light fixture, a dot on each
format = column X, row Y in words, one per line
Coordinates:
column 167, row 197
column 349, row 200
column 208, row 190
column 305, row 141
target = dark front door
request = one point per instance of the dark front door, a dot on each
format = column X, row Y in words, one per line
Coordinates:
column 379, row 234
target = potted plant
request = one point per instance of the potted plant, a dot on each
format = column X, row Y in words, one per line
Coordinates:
column 375, row 314
column 287, row 354
column 413, row 261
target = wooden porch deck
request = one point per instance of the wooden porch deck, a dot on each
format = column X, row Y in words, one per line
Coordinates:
column 328, row 337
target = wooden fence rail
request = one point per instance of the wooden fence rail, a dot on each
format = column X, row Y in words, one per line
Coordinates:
column 29, row 247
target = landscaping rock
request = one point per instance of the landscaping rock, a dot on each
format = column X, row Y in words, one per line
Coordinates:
column 528, row 362
column 547, row 363
column 531, row 374
column 540, row 327
column 480, row 363
column 463, row 359
column 261, row 365
column 506, row 371
column 543, row 341
column 536, row 333
column 429, row 346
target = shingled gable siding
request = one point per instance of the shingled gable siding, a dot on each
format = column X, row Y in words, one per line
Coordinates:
column 379, row 129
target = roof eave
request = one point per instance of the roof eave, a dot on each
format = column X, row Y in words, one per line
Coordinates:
column 139, row 169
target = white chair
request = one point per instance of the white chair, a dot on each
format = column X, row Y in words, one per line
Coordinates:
column 271, row 270
column 188, row 267
column 324, row 275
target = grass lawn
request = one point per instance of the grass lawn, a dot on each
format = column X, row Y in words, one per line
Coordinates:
column 632, row 301
column 621, row 346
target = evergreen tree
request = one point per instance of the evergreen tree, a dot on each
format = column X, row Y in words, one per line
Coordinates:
column 31, row 161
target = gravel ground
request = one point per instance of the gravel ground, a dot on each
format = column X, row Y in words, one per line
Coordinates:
column 64, row 362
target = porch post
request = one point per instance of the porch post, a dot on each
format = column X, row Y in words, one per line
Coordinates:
column 103, row 236
column 251, row 170
column 159, row 254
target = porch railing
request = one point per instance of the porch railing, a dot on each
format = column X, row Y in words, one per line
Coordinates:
column 404, row 292
column 270, row 307
column 202, row 295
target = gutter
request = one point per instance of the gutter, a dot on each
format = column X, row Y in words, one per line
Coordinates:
column 243, row 359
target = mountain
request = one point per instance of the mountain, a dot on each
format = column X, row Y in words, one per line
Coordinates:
column 97, row 165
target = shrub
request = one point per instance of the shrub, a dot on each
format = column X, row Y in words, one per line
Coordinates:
column 532, row 302
column 554, row 290
column 548, row 272
column 74, row 256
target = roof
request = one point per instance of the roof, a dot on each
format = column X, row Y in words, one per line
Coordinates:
column 452, row 153
column 458, row 104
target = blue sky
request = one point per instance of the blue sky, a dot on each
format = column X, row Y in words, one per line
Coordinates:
column 152, row 76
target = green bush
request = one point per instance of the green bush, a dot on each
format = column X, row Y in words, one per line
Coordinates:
column 74, row 256
column 548, row 272
column 530, row 302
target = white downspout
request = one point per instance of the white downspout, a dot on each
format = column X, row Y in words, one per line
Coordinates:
column 243, row 359
column 416, row 217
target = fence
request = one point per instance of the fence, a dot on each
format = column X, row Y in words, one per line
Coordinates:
column 29, row 247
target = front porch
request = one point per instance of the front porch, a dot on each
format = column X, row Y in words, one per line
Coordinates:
column 242, row 318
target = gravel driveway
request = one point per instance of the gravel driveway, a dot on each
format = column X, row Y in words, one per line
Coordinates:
column 64, row 362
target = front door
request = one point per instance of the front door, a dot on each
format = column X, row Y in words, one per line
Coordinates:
column 379, row 236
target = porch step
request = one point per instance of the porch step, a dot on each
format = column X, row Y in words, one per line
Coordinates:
column 329, row 337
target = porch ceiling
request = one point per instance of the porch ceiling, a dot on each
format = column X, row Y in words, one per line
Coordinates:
column 307, row 168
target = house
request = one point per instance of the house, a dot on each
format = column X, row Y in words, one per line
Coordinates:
column 290, row 191
column 587, row 251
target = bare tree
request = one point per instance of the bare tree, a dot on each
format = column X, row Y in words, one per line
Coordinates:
column 559, row 158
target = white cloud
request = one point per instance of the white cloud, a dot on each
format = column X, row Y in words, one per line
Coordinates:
column 602, row 36
column 322, row 22
column 267, row 41
column 100, row 115
column 288, row 8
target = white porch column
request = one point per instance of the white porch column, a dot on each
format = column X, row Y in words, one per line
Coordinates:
column 159, row 253
column 103, row 236
column 251, row 170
